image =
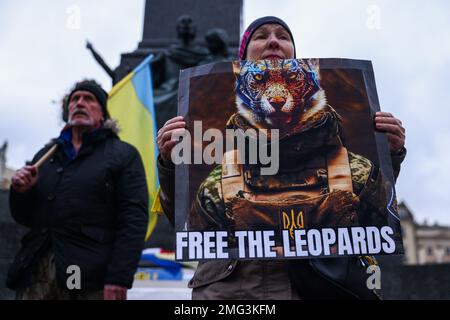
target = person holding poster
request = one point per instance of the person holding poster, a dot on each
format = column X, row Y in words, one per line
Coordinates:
column 270, row 39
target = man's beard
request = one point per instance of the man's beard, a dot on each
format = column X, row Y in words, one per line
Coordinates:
column 84, row 123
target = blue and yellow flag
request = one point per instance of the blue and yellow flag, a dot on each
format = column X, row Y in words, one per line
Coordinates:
column 131, row 104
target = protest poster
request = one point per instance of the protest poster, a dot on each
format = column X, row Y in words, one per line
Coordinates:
column 281, row 160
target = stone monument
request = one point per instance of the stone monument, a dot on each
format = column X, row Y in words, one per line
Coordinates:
column 180, row 34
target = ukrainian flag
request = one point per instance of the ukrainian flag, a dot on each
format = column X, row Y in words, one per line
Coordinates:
column 130, row 102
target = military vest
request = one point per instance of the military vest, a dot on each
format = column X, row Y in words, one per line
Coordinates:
column 317, row 194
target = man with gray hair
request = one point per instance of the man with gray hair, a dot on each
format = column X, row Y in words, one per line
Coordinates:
column 86, row 206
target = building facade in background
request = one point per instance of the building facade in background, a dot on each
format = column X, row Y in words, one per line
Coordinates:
column 424, row 244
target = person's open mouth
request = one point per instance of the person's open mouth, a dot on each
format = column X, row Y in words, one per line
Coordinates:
column 79, row 113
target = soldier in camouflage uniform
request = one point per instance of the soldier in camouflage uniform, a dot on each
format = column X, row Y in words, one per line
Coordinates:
column 305, row 168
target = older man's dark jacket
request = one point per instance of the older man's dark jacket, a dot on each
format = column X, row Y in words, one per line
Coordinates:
column 91, row 210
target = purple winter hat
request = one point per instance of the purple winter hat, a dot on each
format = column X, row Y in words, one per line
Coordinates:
column 255, row 25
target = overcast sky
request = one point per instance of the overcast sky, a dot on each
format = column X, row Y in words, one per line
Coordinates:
column 42, row 52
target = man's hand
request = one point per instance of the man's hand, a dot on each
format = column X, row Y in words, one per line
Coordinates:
column 386, row 122
column 24, row 178
column 113, row 292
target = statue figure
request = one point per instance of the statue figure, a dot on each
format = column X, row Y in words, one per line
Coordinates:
column 166, row 65
column 187, row 54
column 166, row 68
column 217, row 43
column 100, row 60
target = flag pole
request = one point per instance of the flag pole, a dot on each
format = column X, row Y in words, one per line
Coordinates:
column 46, row 156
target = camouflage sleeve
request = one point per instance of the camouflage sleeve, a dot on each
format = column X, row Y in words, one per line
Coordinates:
column 361, row 169
column 397, row 159
column 208, row 209
column 369, row 184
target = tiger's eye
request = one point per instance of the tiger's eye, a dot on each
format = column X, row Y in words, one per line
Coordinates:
column 292, row 76
column 258, row 76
